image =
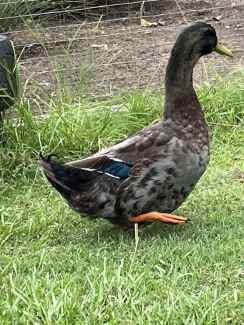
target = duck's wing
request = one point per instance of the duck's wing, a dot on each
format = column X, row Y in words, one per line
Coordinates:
column 104, row 164
column 90, row 191
column 91, row 184
column 144, row 144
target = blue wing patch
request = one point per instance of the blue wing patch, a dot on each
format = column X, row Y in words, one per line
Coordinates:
column 116, row 168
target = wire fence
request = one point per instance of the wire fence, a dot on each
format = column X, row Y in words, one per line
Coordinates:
column 103, row 47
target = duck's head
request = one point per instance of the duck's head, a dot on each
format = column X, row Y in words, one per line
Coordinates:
column 199, row 39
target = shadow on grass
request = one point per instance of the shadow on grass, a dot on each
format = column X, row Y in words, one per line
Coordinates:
column 99, row 232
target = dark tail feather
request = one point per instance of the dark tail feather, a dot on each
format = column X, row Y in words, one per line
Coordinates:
column 67, row 179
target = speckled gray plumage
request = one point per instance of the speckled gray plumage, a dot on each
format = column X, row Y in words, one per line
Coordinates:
column 168, row 158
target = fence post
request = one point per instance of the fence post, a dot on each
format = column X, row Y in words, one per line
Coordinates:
column 9, row 84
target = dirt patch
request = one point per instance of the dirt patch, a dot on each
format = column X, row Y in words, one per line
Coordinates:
column 116, row 53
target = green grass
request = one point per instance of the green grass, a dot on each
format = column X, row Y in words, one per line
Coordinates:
column 59, row 268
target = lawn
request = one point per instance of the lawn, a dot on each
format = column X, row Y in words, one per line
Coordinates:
column 59, row 268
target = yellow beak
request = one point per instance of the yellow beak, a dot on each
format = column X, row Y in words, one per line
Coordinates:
column 221, row 49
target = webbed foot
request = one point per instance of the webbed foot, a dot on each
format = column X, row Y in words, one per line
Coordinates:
column 158, row 216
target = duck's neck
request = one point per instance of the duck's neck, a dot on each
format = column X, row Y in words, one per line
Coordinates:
column 180, row 97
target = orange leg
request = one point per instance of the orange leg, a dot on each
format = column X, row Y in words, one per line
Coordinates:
column 157, row 216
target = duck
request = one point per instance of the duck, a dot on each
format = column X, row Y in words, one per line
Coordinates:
column 147, row 176
column 9, row 79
